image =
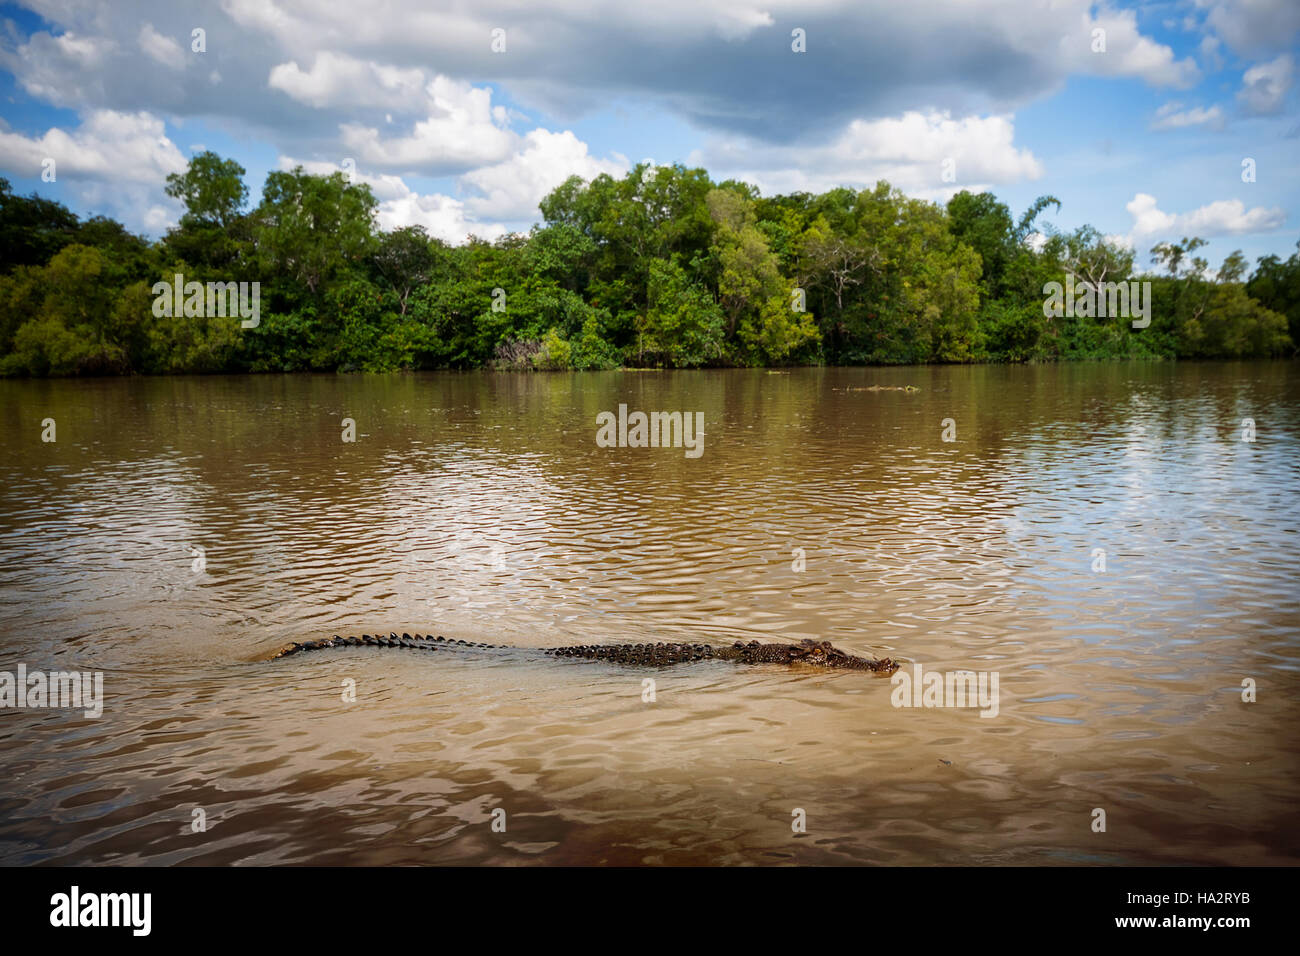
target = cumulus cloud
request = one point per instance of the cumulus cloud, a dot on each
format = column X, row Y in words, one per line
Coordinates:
column 1264, row 86
column 885, row 90
column 506, row 192
column 138, row 206
column 1148, row 220
column 443, row 216
column 63, row 70
column 1127, row 52
column 1226, row 217
column 913, row 151
column 1173, row 116
column 511, row 190
column 120, row 147
column 724, row 64
column 463, row 130
column 1251, row 27
column 383, row 186
column 161, row 48
column 116, row 162
column 336, row 80
column 1230, row 217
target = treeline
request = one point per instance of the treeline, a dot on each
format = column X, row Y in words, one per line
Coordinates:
column 662, row 268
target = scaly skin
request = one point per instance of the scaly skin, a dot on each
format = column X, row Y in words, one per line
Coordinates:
column 815, row 653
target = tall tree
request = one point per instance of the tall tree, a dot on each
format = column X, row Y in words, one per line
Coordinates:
column 212, row 189
column 311, row 227
column 1276, row 284
column 32, row 229
column 405, row 258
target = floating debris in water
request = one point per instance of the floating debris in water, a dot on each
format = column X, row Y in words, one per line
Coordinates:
column 878, row 388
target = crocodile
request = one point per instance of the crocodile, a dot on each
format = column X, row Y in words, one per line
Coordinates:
column 807, row 651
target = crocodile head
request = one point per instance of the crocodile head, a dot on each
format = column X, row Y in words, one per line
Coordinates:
column 825, row 654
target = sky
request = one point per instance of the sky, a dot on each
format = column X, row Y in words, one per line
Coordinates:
column 1149, row 121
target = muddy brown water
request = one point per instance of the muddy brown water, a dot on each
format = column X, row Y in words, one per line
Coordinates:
column 179, row 530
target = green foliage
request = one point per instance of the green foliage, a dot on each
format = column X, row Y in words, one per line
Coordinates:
column 1233, row 325
column 1012, row 332
column 357, row 313
column 554, row 353
column 212, row 189
column 406, row 258
column 757, row 300
column 288, row 342
column 1276, row 286
column 192, row 345
column 46, row 346
column 77, row 326
column 661, row 267
column 984, row 224
column 309, row 228
column 32, row 229
column 592, row 349
column 683, row 324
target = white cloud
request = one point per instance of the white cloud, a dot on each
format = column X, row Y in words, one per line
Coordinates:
column 117, row 161
column 507, row 192
column 158, row 219
column 1173, row 116
column 511, row 190
column 140, row 207
column 1127, row 53
column 1121, row 240
column 463, row 130
column 1226, row 217
column 163, row 49
column 735, row 21
column 1230, row 217
column 339, row 80
column 110, row 146
column 1264, row 86
column 1147, row 218
column 383, row 186
column 59, row 69
column 443, row 216
column 910, row 151
column 887, row 91
column 1253, row 26
column 725, row 65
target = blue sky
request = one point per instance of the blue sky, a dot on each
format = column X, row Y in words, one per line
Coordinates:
column 1137, row 117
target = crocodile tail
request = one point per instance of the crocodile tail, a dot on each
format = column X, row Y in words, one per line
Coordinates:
column 417, row 642
column 392, row 640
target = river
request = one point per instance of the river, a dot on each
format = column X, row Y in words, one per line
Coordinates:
column 1098, row 536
